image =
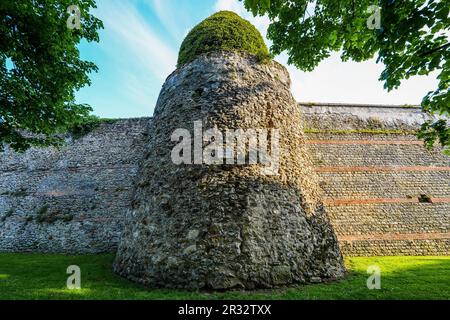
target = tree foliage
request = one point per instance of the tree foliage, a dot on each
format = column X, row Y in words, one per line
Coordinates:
column 413, row 39
column 225, row 31
column 41, row 69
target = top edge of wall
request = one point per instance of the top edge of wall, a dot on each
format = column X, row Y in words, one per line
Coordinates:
column 320, row 104
column 353, row 105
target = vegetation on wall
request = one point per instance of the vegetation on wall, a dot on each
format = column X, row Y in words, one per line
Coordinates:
column 84, row 127
column 44, row 215
column 17, row 194
column 7, row 215
column 362, row 131
column 223, row 31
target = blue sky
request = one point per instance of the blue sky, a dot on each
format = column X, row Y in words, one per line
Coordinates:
column 139, row 46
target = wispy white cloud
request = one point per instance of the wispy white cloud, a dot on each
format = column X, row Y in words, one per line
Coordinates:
column 136, row 39
column 138, row 59
column 139, row 52
column 166, row 15
column 137, row 87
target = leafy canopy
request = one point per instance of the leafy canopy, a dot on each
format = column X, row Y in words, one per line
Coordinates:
column 225, row 31
column 40, row 70
column 413, row 39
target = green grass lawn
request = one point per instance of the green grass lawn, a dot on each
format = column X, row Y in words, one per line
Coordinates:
column 33, row 276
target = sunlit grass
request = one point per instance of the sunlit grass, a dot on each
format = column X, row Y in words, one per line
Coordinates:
column 33, row 276
column 75, row 293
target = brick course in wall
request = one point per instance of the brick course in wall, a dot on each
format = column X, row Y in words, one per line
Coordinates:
column 376, row 185
column 384, row 192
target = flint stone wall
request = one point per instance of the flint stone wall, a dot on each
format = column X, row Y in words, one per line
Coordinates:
column 384, row 192
column 330, row 116
column 71, row 200
column 91, row 178
column 227, row 226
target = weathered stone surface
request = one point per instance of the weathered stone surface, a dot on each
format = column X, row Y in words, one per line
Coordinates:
column 71, row 200
column 227, row 226
column 91, row 179
column 385, row 193
column 332, row 116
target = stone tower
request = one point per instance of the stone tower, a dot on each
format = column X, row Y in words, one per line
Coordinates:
column 219, row 225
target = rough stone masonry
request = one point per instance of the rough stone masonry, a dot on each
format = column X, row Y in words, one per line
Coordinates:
column 71, row 200
column 227, row 226
column 384, row 193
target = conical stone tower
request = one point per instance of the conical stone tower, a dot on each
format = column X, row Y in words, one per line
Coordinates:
column 221, row 224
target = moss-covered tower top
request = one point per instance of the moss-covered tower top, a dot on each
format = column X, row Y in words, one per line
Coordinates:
column 223, row 31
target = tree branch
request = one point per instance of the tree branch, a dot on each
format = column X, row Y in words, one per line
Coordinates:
column 434, row 50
